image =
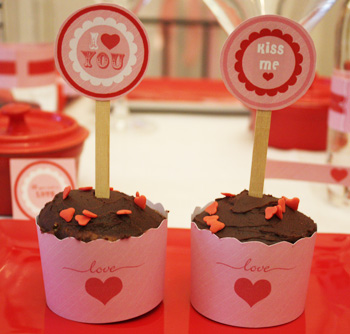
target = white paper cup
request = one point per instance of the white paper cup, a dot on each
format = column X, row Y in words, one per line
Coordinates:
column 249, row 284
column 104, row 281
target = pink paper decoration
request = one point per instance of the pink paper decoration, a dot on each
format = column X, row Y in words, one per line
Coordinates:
column 268, row 62
column 102, row 51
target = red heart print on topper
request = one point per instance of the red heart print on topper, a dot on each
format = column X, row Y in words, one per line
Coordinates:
column 103, row 291
column 339, row 174
column 268, row 76
column 110, row 41
column 252, row 293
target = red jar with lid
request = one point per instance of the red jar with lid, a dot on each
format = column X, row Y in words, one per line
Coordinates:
column 31, row 133
column 303, row 125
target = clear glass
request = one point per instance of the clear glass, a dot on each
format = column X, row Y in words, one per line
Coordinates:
column 338, row 149
column 230, row 13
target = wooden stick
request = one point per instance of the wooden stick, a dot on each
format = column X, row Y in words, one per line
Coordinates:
column 261, row 140
column 102, row 149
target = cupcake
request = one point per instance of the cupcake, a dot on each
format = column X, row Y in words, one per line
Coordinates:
column 251, row 260
column 103, row 260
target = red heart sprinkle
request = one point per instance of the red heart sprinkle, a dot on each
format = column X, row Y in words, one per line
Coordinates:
column 111, row 188
column 292, row 203
column 270, row 211
column 90, row 214
column 85, row 188
column 228, row 194
column 216, row 226
column 140, row 201
column 67, row 214
column 123, row 212
column 212, row 208
column 208, row 219
column 137, row 194
column 282, row 203
column 66, row 192
column 82, row 220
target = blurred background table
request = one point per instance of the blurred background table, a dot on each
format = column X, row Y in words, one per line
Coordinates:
column 184, row 160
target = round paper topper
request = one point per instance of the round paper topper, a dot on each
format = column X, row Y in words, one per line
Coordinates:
column 102, row 51
column 268, row 62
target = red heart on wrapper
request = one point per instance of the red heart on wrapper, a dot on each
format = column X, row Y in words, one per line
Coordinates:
column 252, row 293
column 103, row 291
column 339, row 174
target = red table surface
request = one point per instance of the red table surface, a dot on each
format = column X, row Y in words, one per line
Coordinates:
column 23, row 308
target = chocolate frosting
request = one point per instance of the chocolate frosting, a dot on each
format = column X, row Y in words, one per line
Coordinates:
column 244, row 219
column 108, row 225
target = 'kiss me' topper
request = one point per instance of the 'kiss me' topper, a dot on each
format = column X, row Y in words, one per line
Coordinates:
column 102, row 51
column 268, row 62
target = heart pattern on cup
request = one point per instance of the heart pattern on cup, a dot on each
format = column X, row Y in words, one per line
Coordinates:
column 110, row 41
column 252, row 293
column 268, row 76
column 103, row 291
column 339, row 174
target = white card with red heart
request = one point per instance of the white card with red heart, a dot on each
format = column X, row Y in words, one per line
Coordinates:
column 323, row 173
column 34, row 182
column 248, row 284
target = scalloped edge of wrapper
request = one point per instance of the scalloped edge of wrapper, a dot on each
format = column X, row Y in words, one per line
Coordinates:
column 104, row 281
column 248, row 284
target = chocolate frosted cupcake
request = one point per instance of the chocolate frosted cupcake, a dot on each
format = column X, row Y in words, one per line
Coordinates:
column 247, row 218
column 103, row 260
column 251, row 260
column 81, row 215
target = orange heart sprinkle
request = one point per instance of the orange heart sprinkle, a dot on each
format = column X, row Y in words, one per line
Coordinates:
column 282, row 203
column 292, row 203
column 123, row 212
column 228, row 194
column 216, row 226
column 279, row 212
column 270, row 212
column 82, row 220
column 66, row 192
column 212, row 208
column 273, row 210
column 208, row 219
column 90, row 214
column 137, row 194
column 85, row 188
column 67, row 214
column 140, row 201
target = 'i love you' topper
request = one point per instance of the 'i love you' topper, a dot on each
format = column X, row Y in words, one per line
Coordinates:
column 268, row 62
column 102, row 51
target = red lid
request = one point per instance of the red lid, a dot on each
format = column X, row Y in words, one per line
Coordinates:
column 318, row 94
column 26, row 131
